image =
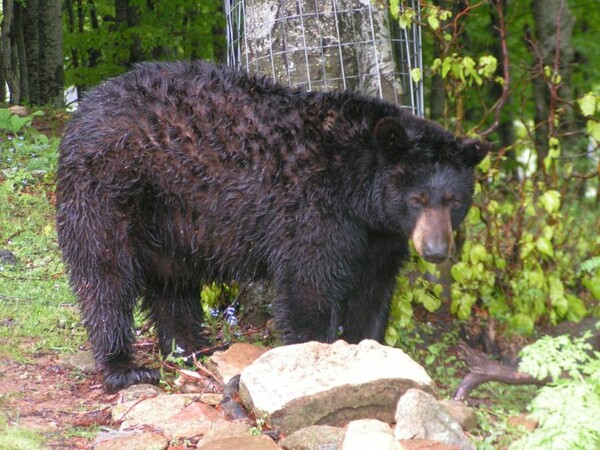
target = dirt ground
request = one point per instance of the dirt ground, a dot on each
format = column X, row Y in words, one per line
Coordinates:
column 59, row 403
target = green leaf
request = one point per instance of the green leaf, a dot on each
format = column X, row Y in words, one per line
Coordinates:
column 590, row 265
column 576, row 310
column 522, row 324
column 545, row 247
column 587, row 104
column 486, row 164
column 415, row 74
column 478, row 253
column 593, row 128
column 395, row 8
column 433, row 21
column 391, row 336
column 405, row 19
column 550, row 201
column 487, row 66
column 459, row 272
column 430, row 302
column 446, row 66
column 593, row 285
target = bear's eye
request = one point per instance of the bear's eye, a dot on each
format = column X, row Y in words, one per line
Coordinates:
column 417, row 200
column 452, row 202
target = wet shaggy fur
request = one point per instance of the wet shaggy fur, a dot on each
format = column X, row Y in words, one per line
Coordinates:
column 176, row 174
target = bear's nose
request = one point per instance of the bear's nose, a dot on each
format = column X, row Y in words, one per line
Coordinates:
column 435, row 252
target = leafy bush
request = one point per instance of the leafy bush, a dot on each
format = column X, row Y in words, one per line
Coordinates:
column 567, row 410
column 26, row 156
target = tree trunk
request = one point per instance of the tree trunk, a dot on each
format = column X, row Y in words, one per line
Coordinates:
column 127, row 15
column 32, row 63
column 324, row 45
column 9, row 70
column 51, row 53
column 553, row 48
column 505, row 130
column 20, row 57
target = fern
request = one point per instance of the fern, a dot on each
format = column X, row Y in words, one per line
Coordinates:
column 567, row 410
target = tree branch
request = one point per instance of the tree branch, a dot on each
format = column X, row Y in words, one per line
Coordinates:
column 482, row 370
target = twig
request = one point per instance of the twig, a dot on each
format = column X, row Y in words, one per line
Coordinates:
column 505, row 70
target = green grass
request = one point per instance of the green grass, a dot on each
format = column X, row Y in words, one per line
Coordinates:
column 37, row 308
column 15, row 438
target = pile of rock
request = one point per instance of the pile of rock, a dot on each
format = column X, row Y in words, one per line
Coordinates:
column 305, row 396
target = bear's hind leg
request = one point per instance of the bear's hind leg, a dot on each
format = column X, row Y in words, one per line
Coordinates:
column 107, row 311
column 175, row 310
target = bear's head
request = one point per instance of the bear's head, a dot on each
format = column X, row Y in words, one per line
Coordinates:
column 426, row 181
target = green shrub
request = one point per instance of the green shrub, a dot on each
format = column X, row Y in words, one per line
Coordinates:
column 568, row 409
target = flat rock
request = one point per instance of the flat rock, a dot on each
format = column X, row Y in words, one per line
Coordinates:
column 315, row 437
column 424, row 444
column 260, row 442
column 224, row 429
column 296, row 386
column 369, row 434
column 137, row 392
column 133, row 441
column 229, row 363
column 173, row 415
column 420, row 415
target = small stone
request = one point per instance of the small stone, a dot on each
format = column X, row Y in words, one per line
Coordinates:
column 134, row 441
column 424, row 444
column 19, row 110
column 420, row 415
column 82, row 361
column 315, row 437
column 223, row 429
column 211, row 399
column 229, row 363
column 260, row 442
column 369, row 434
column 137, row 392
column 461, row 412
column 7, row 258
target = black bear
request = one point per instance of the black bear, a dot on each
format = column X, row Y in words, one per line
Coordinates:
column 175, row 174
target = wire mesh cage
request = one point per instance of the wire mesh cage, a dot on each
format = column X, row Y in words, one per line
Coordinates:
column 328, row 44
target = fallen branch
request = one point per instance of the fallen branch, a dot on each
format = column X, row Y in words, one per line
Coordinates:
column 482, row 370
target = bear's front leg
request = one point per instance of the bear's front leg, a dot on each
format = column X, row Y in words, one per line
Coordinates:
column 373, row 285
column 306, row 312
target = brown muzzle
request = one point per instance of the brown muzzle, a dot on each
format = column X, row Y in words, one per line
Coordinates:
column 432, row 236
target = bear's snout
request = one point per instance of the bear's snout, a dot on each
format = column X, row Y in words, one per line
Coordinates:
column 432, row 236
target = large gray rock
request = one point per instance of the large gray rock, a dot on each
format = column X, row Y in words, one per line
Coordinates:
column 420, row 415
column 296, row 386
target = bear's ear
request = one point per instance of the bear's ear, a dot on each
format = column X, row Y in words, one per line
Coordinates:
column 473, row 151
column 390, row 136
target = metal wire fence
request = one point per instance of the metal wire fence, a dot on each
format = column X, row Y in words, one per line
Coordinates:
column 328, row 44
